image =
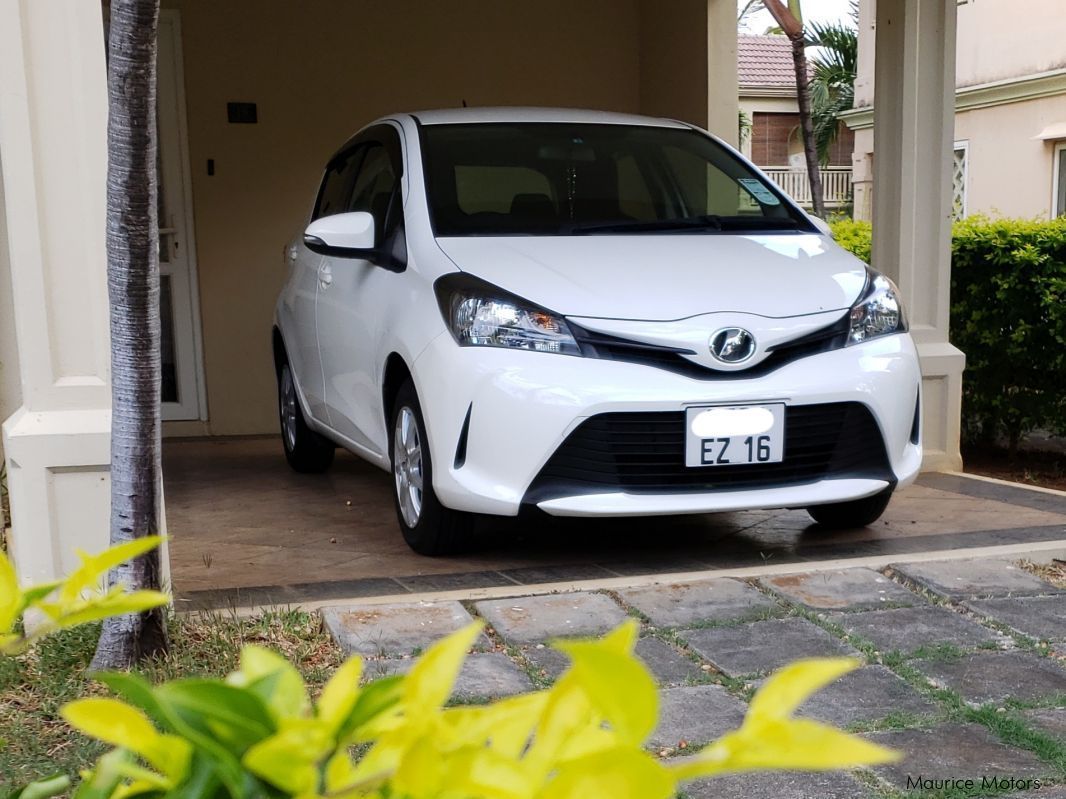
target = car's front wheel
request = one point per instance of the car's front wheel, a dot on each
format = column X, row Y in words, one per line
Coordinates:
column 849, row 515
column 305, row 450
column 428, row 527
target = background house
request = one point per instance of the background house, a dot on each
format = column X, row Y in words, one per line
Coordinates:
column 766, row 82
column 1010, row 110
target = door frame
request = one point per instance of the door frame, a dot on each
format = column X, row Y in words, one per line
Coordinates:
column 177, row 139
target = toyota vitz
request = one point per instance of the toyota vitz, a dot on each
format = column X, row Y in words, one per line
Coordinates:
column 591, row 314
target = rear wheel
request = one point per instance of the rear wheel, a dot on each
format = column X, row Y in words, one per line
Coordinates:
column 305, row 450
column 849, row 515
column 428, row 527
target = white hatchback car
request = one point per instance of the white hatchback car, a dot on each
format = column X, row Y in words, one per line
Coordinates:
column 591, row 314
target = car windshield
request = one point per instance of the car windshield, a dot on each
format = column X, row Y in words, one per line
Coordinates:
column 593, row 179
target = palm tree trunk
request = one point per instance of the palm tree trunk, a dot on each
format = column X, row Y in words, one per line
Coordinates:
column 803, row 100
column 133, row 286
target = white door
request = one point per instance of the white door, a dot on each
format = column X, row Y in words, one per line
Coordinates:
column 183, row 395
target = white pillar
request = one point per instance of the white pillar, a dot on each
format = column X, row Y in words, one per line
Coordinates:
column 53, row 113
column 914, row 121
column 723, row 107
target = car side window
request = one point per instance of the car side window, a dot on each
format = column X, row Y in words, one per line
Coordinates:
column 375, row 186
column 337, row 183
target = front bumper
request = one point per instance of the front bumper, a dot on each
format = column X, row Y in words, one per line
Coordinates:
column 523, row 405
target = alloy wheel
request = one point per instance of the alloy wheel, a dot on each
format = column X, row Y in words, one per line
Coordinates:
column 288, row 408
column 407, row 466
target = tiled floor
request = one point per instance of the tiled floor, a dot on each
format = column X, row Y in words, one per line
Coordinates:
column 240, row 519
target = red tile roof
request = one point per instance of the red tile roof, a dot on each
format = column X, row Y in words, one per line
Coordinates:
column 765, row 61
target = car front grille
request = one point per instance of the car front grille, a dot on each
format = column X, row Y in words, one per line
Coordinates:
column 645, row 453
column 613, row 348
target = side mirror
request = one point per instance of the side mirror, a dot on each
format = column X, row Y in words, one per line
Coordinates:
column 822, row 225
column 342, row 235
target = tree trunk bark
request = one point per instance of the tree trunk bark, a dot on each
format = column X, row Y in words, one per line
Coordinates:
column 803, row 99
column 133, row 287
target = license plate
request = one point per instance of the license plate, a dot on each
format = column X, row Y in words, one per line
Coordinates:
column 731, row 435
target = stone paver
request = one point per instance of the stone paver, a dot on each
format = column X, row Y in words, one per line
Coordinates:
column 1040, row 617
column 955, row 751
column 996, row 676
column 485, row 675
column 844, row 589
column 396, row 629
column 683, row 604
column 532, row 619
column 697, row 714
column 867, row 694
column 781, row 785
column 965, row 579
column 763, row 645
column 549, row 662
column 1051, row 720
column 907, row 629
column 668, row 665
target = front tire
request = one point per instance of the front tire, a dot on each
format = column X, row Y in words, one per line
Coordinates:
column 850, row 515
column 428, row 527
column 305, row 450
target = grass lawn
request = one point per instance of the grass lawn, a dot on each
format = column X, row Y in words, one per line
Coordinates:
column 38, row 743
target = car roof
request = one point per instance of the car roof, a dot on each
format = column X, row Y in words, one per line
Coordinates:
column 459, row 116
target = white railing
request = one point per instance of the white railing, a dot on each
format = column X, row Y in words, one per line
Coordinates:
column 836, row 184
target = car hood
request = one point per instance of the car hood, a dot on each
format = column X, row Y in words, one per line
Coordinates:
column 666, row 277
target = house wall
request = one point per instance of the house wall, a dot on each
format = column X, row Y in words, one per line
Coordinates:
column 998, row 39
column 1009, row 172
column 318, row 72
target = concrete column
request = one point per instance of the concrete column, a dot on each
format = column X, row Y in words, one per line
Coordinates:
column 53, row 113
column 914, row 76
column 722, row 88
column 688, row 63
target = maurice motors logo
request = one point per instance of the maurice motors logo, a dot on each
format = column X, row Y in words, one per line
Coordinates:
column 985, row 783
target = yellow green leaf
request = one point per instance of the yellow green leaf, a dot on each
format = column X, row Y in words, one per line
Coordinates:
column 289, row 760
column 94, row 567
column 10, row 596
column 429, row 684
column 621, row 773
column 791, row 686
column 340, row 694
column 274, row 679
column 793, row 744
column 111, row 721
column 115, row 603
column 618, row 685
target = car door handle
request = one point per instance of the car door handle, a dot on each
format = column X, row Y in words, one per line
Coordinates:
column 325, row 275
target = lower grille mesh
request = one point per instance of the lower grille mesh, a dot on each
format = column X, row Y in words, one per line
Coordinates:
column 645, row 452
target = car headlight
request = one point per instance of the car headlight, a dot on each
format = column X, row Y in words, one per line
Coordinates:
column 479, row 314
column 879, row 312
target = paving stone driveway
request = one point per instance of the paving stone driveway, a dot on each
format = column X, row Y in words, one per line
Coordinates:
column 962, row 671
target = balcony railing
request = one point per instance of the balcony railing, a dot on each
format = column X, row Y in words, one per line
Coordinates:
column 836, row 184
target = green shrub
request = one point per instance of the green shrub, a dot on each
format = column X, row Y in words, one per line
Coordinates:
column 853, row 236
column 1008, row 314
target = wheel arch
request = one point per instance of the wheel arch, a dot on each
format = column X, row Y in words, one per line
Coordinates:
column 396, row 372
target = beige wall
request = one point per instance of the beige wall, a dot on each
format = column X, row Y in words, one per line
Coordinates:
column 320, row 71
column 1010, row 172
column 999, row 39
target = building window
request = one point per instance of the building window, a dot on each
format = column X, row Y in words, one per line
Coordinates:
column 958, row 179
column 1058, row 206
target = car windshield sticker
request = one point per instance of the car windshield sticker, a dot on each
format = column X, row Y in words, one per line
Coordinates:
column 757, row 190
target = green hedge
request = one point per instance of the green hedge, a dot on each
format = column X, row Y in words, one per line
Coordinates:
column 1008, row 314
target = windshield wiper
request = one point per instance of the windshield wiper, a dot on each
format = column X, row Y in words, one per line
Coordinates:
column 711, row 222
column 637, row 225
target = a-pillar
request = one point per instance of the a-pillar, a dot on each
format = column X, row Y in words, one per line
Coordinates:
column 914, row 117
column 53, row 113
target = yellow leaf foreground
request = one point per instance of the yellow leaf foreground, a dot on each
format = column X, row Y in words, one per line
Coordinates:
column 581, row 739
